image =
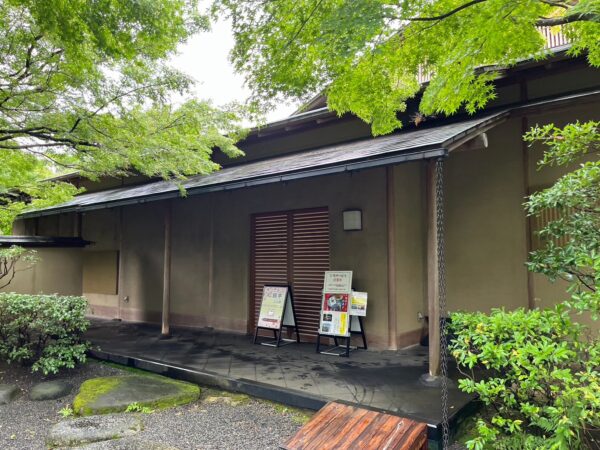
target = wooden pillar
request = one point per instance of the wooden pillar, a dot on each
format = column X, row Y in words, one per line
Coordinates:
column 391, row 244
column 166, row 305
column 524, row 94
column 432, row 272
column 211, row 257
column 120, row 266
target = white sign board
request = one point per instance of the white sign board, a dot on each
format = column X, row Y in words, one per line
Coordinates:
column 272, row 306
column 338, row 282
column 335, row 320
column 335, row 303
column 358, row 304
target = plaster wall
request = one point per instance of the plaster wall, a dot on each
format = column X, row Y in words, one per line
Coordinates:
column 58, row 271
column 222, row 300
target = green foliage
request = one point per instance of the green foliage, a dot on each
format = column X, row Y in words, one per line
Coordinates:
column 366, row 54
column 43, row 330
column 66, row 412
column 85, row 86
column 538, row 373
column 135, row 407
column 10, row 257
column 572, row 250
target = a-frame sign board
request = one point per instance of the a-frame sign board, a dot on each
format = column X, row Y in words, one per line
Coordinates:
column 337, row 320
column 277, row 311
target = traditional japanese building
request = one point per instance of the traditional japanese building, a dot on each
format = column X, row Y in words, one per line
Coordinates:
column 316, row 192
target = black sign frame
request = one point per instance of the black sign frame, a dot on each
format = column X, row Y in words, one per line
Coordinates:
column 278, row 339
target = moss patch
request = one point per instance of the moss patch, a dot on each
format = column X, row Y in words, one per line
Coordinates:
column 298, row 415
column 91, row 390
column 114, row 394
column 211, row 396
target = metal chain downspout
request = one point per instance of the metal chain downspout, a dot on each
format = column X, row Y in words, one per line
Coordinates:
column 439, row 193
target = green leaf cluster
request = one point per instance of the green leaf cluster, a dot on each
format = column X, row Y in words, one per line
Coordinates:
column 45, row 331
column 85, row 86
column 366, row 55
column 538, row 373
column 572, row 242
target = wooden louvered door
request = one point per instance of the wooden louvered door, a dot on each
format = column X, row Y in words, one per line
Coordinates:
column 310, row 260
column 291, row 248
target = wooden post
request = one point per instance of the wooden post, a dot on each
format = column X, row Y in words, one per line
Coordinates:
column 432, row 273
column 120, row 266
column 528, row 224
column 211, row 257
column 166, row 306
column 391, row 244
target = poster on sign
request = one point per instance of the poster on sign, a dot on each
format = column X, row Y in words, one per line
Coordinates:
column 358, row 304
column 338, row 282
column 272, row 307
column 334, row 314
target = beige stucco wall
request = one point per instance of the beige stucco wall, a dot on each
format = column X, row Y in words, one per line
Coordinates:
column 58, row 271
column 410, row 244
column 363, row 252
column 223, row 302
column 485, row 224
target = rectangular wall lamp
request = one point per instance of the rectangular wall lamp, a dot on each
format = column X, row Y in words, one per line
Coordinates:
column 352, row 220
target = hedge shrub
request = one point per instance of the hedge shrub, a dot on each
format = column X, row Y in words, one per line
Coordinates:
column 538, row 373
column 44, row 331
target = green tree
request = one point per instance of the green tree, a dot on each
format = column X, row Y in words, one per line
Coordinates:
column 366, row 54
column 86, row 86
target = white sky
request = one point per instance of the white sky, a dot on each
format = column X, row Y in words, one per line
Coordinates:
column 206, row 58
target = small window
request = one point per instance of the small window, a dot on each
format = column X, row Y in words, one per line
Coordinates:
column 100, row 272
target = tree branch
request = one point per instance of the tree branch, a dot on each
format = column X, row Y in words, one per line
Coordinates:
column 446, row 15
column 569, row 18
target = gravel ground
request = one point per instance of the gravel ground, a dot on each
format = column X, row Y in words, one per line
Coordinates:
column 216, row 421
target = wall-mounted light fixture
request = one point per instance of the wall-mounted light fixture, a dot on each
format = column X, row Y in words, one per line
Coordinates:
column 352, row 220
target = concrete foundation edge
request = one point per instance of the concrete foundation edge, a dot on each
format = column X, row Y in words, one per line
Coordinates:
column 264, row 391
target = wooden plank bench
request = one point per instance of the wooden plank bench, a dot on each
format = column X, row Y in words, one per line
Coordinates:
column 339, row 426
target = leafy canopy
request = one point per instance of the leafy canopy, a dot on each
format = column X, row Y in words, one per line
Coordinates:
column 366, row 54
column 85, row 86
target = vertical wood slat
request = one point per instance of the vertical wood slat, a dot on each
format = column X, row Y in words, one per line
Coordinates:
column 291, row 248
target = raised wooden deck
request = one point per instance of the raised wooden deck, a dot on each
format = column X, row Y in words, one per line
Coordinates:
column 339, row 426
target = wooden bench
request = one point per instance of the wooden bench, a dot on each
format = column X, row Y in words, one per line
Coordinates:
column 339, row 426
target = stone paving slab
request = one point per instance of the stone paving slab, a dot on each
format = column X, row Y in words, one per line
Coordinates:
column 8, row 393
column 115, row 394
column 74, row 432
column 50, row 390
column 128, row 443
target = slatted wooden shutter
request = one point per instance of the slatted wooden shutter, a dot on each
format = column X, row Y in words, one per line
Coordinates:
column 269, row 254
column 310, row 260
column 291, row 248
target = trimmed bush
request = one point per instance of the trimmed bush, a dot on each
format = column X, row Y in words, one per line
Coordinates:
column 44, row 331
column 537, row 373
